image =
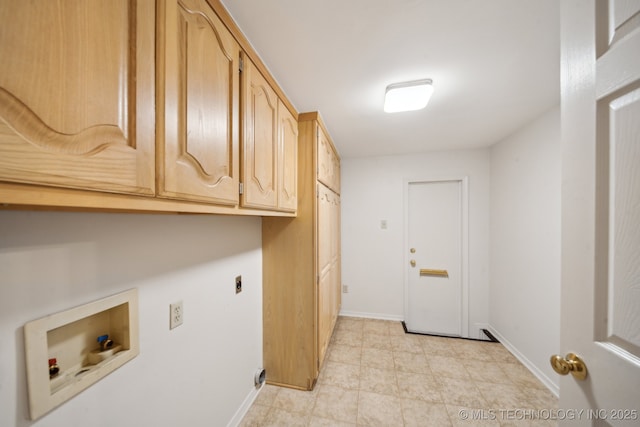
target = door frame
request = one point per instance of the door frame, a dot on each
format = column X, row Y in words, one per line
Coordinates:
column 464, row 244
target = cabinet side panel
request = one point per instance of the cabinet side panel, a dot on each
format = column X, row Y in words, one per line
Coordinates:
column 289, row 282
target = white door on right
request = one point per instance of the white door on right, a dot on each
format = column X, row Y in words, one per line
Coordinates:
column 600, row 304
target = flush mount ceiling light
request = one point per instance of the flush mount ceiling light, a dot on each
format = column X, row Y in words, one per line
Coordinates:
column 408, row 96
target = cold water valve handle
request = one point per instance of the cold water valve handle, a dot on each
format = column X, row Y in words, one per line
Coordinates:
column 105, row 342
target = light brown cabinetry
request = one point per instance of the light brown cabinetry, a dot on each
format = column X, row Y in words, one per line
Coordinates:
column 103, row 102
column 198, row 104
column 328, row 232
column 328, row 163
column 77, row 94
column 270, row 140
column 301, row 270
column 287, row 159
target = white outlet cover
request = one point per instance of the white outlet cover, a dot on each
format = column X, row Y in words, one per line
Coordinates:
column 176, row 313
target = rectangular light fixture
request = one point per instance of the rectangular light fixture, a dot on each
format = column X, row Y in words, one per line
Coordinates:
column 408, row 96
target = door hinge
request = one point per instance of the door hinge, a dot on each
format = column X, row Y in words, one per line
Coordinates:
column 318, row 279
column 241, row 64
column 241, row 188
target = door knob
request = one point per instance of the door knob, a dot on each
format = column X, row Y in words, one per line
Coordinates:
column 412, row 250
column 572, row 363
column 412, row 262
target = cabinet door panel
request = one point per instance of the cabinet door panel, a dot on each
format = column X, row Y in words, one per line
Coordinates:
column 335, row 160
column 329, row 286
column 325, row 163
column 288, row 160
column 260, row 140
column 335, row 257
column 199, row 149
column 326, row 293
column 77, row 93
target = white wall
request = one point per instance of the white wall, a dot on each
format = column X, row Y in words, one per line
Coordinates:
column 198, row 374
column 373, row 258
column 525, row 243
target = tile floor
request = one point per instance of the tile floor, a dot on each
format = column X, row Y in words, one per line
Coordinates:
column 376, row 375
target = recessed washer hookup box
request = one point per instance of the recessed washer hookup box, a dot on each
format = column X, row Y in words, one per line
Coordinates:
column 66, row 352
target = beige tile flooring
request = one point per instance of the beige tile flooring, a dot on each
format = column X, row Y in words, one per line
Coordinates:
column 376, row 375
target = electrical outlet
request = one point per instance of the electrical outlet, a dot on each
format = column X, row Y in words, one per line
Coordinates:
column 176, row 314
column 238, row 284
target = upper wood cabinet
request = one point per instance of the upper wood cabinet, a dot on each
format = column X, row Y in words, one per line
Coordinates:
column 328, row 162
column 260, row 140
column 77, row 93
column 287, row 159
column 270, row 142
column 103, row 101
column 198, row 104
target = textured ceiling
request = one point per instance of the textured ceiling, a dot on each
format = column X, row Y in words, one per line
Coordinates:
column 494, row 65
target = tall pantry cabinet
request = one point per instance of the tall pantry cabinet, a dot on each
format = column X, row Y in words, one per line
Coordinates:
column 301, row 265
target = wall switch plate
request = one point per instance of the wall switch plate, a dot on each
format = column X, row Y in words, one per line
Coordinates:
column 238, row 284
column 176, row 314
column 345, row 289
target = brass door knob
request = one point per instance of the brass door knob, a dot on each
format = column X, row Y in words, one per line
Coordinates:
column 572, row 363
column 412, row 262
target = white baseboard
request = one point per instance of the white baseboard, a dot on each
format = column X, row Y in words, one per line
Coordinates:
column 553, row 388
column 244, row 408
column 379, row 316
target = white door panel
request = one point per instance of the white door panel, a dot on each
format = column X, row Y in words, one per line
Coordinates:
column 601, row 209
column 434, row 270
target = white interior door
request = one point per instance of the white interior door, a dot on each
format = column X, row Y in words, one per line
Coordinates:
column 601, row 209
column 435, row 251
